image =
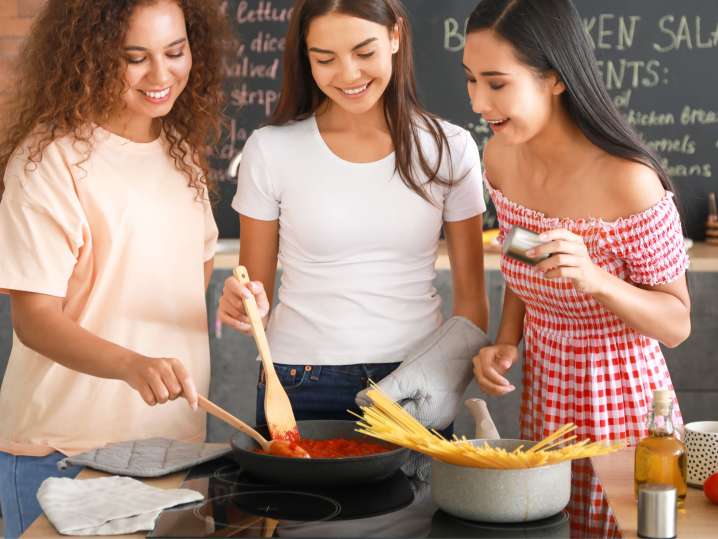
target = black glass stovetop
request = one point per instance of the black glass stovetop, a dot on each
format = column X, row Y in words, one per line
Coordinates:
column 401, row 506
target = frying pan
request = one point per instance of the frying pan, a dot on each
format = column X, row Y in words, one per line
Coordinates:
column 318, row 471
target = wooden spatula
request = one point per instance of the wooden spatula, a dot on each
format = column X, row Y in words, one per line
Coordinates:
column 281, row 448
column 277, row 408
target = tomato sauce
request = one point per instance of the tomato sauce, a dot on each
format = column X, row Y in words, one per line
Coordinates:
column 337, row 448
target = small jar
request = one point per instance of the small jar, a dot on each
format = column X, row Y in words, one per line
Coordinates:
column 657, row 511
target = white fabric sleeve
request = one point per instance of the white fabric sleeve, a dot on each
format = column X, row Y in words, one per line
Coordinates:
column 256, row 196
column 465, row 199
column 41, row 228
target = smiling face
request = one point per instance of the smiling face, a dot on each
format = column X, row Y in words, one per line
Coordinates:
column 517, row 102
column 159, row 61
column 351, row 60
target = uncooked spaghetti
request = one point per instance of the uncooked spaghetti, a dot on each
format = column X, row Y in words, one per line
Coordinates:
column 388, row 421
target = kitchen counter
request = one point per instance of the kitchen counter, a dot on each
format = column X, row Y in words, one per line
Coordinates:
column 703, row 257
column 697, row 520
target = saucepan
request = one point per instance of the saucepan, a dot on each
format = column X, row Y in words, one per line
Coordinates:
column 501, row 495
column 317, row 472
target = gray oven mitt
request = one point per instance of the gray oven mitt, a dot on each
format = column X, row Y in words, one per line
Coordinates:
column 152, row 457
column 433, row 375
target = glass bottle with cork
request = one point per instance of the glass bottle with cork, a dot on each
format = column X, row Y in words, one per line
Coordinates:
column 661, row 456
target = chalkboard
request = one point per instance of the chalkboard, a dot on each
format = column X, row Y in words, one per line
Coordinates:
column 659, row 59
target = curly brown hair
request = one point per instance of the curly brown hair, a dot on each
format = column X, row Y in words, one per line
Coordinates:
column 71, row 73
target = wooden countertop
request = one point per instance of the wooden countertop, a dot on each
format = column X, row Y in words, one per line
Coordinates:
column 698, row 518
column 703, row 257
column 42, row 529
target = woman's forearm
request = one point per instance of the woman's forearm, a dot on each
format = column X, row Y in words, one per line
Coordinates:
column 511, row 328
column 466, row 255
column 653, row 312
column 43, row 327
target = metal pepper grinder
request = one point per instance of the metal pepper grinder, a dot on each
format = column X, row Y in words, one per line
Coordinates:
column 712, row 220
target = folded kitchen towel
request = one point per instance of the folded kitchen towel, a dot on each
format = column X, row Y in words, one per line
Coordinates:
column 107, row 505
column 152, row 457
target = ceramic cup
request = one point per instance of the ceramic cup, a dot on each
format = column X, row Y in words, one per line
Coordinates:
column 702, row 448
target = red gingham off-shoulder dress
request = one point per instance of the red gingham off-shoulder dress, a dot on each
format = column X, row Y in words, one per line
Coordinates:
column 582, row 364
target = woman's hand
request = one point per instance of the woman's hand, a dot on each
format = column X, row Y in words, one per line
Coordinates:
column 231, row 309
column 568, row 258
column 159, row 380
column 490, row 366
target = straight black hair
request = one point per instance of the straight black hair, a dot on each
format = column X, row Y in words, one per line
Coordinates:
column 547, row 35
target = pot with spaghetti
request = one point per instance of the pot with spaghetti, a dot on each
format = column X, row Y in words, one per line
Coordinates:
column 501, row 494
column 486, row 480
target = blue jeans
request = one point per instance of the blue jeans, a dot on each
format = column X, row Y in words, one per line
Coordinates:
column 20, row 477
column 325, row 391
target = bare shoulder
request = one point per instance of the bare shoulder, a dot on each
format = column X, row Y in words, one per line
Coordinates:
column 632, row 187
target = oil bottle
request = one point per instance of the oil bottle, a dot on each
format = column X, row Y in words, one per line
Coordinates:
column 661, row 456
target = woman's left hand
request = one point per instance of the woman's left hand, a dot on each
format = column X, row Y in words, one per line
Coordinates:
column 569, row 259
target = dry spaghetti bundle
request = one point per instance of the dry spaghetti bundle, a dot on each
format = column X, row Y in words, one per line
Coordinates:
column 388, row 421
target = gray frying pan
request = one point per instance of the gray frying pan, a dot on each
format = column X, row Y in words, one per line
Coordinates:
column 318, row 471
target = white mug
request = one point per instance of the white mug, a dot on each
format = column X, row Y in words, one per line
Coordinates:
column 702, row 447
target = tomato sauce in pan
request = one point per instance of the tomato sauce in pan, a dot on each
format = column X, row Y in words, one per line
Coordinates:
column 337, row 448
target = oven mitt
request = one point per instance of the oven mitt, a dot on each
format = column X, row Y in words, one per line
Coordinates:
column 433, row 375
column 107, row 505
column 152, row 457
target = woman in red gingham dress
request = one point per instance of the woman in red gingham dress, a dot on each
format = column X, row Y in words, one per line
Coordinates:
column 564, row 163
column 582, row 363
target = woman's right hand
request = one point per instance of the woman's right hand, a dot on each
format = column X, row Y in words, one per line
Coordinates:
column 159, row 380
column 490, row 366
column 231, row 309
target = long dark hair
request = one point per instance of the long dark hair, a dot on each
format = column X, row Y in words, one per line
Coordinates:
column 548, row 35
column 300, row 96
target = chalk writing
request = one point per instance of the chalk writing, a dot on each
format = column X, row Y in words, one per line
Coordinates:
column 685, row 32
column 609, row 31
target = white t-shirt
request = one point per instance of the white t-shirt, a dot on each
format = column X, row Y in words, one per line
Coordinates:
column 356, row 245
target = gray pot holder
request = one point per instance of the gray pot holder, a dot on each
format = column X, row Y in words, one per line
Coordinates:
column 152, row 457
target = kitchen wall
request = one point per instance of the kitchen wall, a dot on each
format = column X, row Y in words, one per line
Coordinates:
column 16, row 16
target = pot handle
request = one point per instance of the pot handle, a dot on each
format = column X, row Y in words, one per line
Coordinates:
column 485, row 428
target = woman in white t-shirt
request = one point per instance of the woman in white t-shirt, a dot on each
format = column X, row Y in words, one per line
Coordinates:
column 106, row 234
column 348, row 188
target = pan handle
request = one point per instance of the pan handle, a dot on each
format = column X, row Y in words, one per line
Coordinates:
column 485, row 428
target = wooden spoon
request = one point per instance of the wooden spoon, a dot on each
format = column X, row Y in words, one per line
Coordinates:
column 280, row 448
column 277, row 408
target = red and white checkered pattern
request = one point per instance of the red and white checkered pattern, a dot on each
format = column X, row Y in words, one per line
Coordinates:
column 582, row 363
column 591, row 515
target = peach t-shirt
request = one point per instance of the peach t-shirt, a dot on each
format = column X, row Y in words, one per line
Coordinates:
column 123, row 239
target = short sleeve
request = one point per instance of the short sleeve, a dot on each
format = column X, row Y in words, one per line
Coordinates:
column 465, row 199
column 255, row 195
column 651, row 244
column 211, row 233
column 41, row 228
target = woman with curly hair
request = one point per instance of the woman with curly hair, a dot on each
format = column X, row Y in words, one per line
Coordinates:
column 105, row 209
